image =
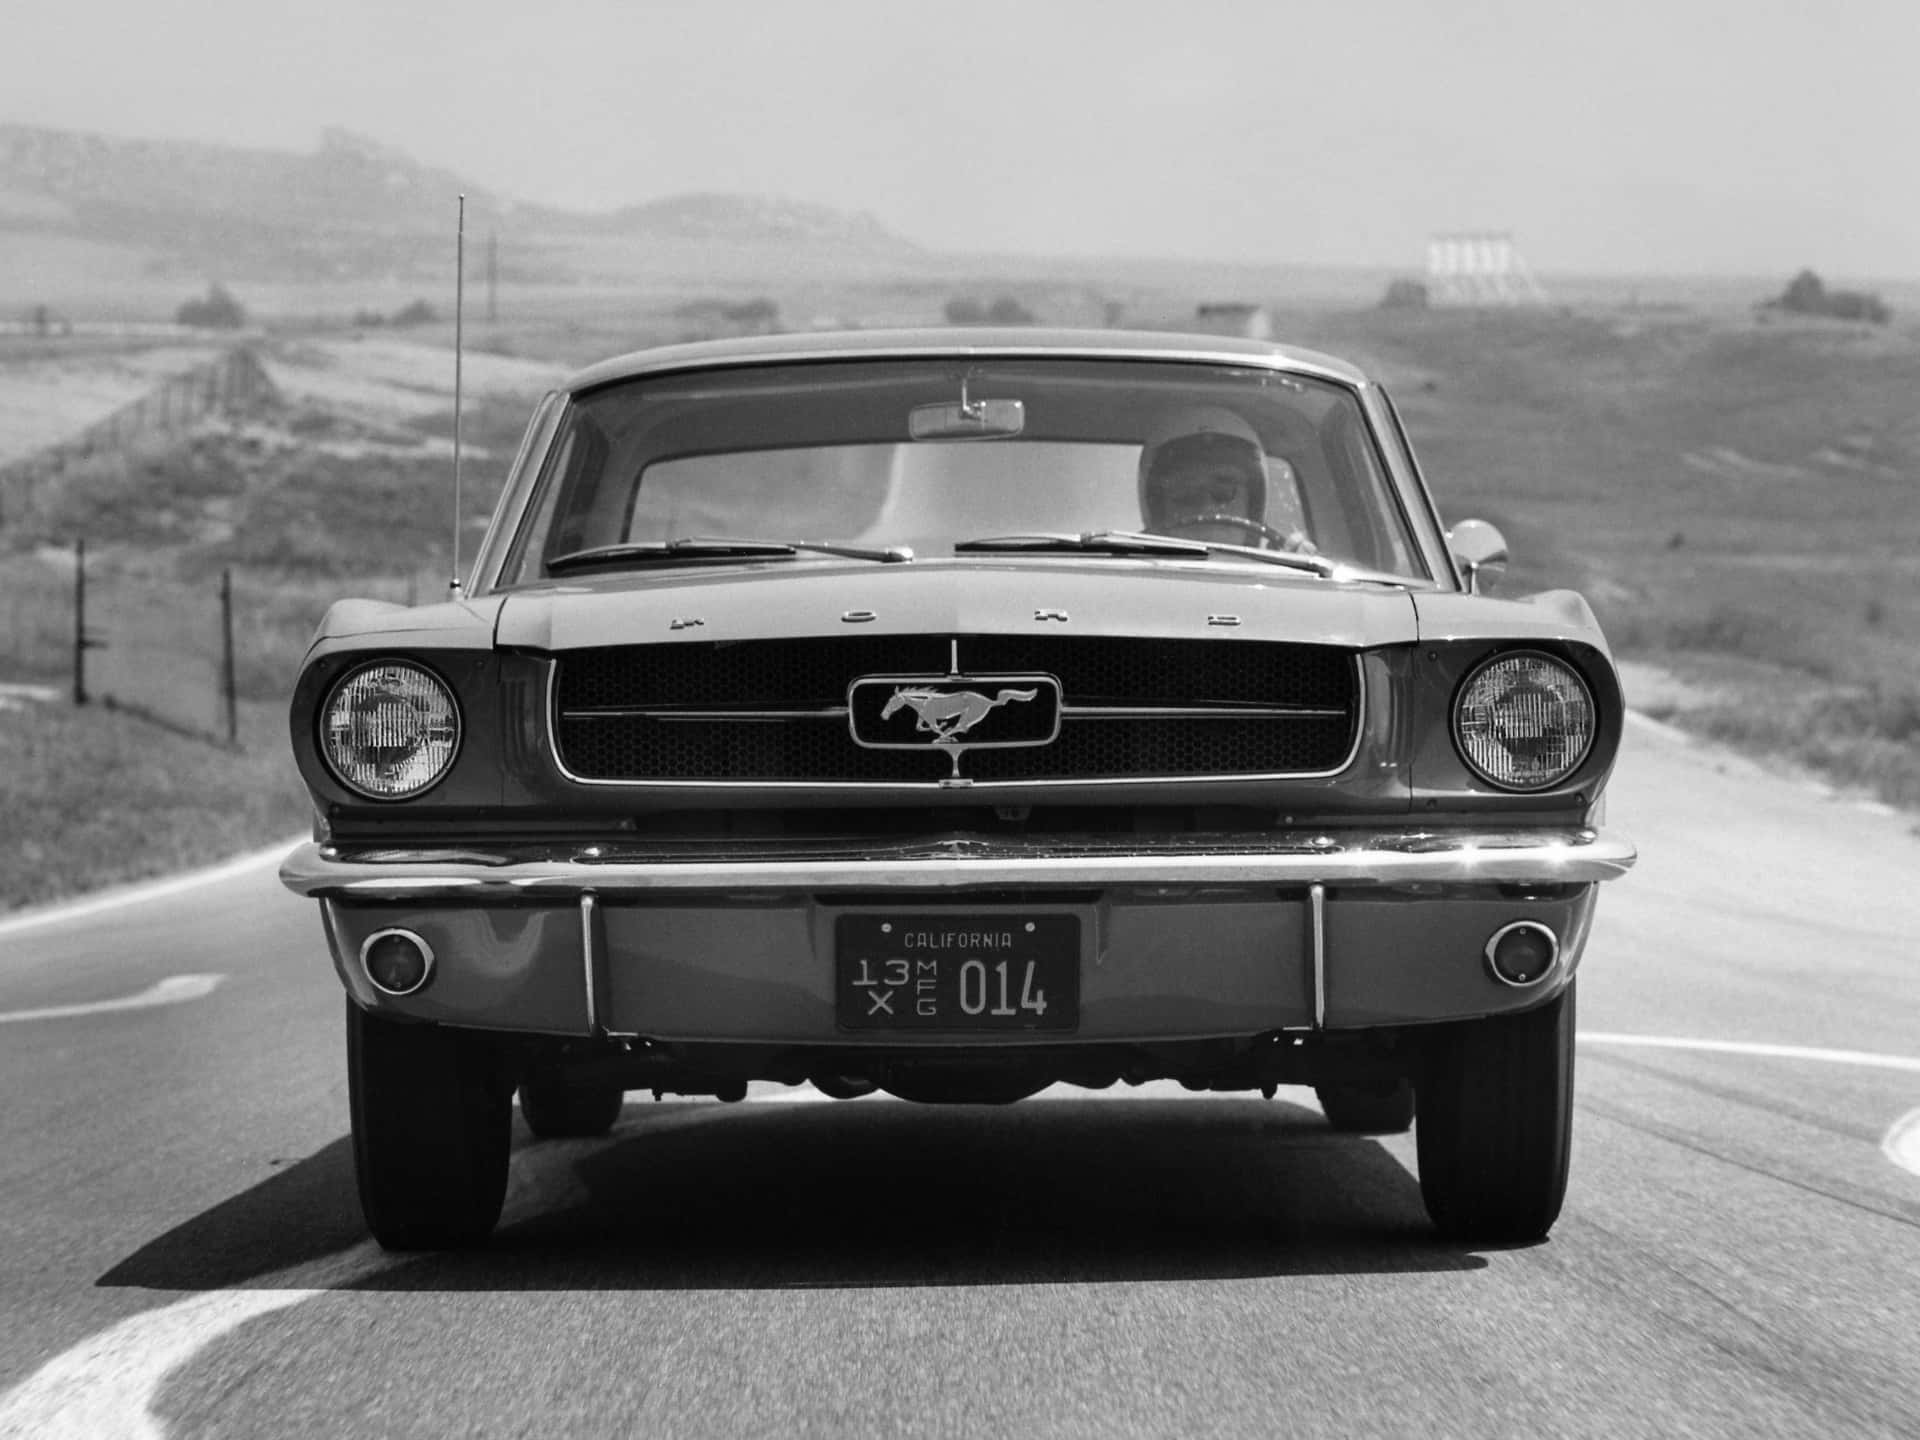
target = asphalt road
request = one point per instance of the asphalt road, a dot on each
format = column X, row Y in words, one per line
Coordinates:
column 182, row 1252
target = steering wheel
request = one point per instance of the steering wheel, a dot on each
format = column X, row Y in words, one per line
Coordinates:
column 1296, row 542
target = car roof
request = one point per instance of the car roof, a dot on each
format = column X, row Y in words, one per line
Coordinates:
column 971, row 341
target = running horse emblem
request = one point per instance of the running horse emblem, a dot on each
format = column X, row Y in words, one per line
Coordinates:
column 949, row 714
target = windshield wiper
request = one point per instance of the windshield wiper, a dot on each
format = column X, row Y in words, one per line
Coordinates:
column 884, row 554
column 1139, row 542
column 716, row 547
column 1290, row 559
column 1097, row 542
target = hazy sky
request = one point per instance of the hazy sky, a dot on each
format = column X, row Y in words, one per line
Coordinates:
column 1749, row 136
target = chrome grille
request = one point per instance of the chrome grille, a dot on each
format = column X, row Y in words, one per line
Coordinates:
column 774, row 710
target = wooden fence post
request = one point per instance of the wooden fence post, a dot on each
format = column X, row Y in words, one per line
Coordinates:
column 80, row 621
column 228, row 689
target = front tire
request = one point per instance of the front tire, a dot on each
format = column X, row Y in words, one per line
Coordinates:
column 432, row 1115
column 1495, row 1133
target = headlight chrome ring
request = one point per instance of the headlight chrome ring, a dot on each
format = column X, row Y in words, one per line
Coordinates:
column 389, row 729
column 1524, row 720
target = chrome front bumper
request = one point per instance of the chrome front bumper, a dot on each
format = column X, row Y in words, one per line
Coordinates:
column 1184, row 936
column 1346, row 858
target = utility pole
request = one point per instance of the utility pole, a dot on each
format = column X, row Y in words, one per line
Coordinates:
column 493, row 276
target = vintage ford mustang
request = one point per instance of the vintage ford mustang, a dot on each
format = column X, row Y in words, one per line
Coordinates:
column 953, row 714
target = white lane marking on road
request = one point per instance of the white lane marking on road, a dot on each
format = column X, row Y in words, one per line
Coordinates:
column 148, row 890
column 1902, row 1143
column 173, row 990
column 102, row 1388
column 1869, row 1058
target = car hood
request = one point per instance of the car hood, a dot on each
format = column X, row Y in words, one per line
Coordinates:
column 1548, row 615
column 1077, row 597
column 463, row 624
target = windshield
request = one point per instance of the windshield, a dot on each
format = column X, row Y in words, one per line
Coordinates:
column 942, row 453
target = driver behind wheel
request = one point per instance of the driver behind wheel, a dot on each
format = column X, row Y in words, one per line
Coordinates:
column 1203, row 476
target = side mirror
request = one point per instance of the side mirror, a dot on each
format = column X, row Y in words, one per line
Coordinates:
column 1480, row 550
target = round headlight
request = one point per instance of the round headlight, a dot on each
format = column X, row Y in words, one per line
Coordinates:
column 389, row 730
column 1524, row 721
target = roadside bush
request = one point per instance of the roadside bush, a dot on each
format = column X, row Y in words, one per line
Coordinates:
column 1888, row 713
column 1857, row 305
column 159, row 493
column 216, row 310
column 1003, row 310
column 713, row 316
column 1806, row 294
column 418, row 313
column 1405, row 295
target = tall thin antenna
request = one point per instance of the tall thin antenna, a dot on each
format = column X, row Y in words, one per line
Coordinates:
column 459, row 350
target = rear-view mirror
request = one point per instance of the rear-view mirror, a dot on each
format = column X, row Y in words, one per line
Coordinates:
column 968, row 420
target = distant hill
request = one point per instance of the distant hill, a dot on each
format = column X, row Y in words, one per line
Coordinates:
column 738, row 219
column 348, row 181
column 356, row 209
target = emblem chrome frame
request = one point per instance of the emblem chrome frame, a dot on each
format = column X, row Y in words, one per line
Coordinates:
column 951, row 742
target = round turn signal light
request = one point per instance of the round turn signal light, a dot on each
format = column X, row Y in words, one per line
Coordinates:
column 1522, row 954
column 398, row 962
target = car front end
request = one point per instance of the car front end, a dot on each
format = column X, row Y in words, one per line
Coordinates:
column 990, row 792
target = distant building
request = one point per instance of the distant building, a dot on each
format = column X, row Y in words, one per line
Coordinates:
column 1479, row 268
column 1249, row 322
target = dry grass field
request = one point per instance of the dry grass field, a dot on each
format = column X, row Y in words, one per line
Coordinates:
column 98, row 797
column 343, row 488
column 1736, row 497
column 1739, row 498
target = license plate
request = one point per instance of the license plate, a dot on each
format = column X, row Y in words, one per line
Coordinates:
column 957, row 972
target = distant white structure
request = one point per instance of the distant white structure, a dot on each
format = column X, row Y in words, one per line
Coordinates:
column 1235, row 317
column 1480, row 267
